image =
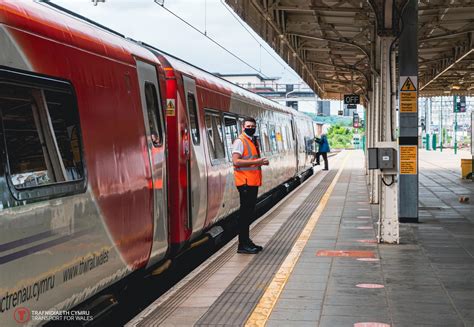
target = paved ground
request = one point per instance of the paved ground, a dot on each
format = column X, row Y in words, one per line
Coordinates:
column 428, row 280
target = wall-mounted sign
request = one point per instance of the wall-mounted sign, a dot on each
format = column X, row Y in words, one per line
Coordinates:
column 408, row 94
column 408, row 159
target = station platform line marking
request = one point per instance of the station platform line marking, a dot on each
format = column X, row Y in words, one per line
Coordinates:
column 143, row 315
column 264, row 308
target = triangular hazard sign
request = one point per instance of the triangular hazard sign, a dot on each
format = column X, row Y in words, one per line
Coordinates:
column 170, row 104
column 408, row 85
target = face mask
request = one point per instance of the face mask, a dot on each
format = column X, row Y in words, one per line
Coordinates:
column 249, row 131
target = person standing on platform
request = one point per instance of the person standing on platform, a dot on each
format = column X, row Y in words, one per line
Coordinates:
column 323, row 150
column 248, row 177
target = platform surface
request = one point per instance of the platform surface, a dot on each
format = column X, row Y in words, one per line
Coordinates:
column 321, row 265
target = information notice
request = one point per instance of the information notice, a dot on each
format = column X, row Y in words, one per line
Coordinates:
column 408, row 159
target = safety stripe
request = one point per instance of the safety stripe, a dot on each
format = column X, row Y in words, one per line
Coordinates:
column 247, row 146
column 247, row 168
column 264, row 308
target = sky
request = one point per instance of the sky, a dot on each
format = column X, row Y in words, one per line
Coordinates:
column 147, row 21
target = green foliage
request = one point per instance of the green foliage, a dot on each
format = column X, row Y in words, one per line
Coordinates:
column 340, row 137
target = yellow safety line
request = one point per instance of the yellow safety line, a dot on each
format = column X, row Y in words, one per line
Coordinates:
column 267, row 302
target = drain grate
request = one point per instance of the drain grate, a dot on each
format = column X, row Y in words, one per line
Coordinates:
column 234, row 306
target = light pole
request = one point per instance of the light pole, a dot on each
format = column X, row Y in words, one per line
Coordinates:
column 286, row 97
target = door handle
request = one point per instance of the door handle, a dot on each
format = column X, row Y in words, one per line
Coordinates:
column 186, row 143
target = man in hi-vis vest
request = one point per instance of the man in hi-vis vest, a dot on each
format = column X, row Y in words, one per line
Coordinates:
column 248, row 177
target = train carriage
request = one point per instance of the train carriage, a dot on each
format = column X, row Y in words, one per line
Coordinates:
column 114, row 156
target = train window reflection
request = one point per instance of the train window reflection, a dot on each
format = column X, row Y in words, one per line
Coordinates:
column 273, row 141
column 264, row 139
column 231, row 133
column 40, row 130
column 214, row 136
column 154, row 118
column 279, row 139
column 193, row 119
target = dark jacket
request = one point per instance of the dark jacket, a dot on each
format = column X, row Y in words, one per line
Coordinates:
column 323, row 144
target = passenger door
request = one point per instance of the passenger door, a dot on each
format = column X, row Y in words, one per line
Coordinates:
column 196, row 162
column 155, row 139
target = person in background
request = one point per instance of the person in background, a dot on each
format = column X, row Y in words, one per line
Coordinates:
column 323, row 150
column 248, row 177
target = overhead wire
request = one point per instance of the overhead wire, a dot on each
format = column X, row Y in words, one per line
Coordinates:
column 208, row 37
column 277, row 59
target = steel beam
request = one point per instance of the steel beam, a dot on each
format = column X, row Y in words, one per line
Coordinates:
column 408, row 118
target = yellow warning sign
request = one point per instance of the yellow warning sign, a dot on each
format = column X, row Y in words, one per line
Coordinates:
column 170, row 107
column 408, row 101
column 408, row 159
column 408, row 85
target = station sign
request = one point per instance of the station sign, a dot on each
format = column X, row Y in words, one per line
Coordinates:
column 408, row 94
column 351, row 106
column 351, row 99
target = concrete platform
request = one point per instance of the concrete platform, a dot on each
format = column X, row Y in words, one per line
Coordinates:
column 321, row 265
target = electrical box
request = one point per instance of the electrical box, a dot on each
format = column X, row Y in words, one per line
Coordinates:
column 386, row 158
column 381, row 158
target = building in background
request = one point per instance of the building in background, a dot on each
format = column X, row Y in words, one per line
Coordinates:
column 324, row 108
column 298, row 96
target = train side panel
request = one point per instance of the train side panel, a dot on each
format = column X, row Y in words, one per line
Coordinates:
column 59, row 246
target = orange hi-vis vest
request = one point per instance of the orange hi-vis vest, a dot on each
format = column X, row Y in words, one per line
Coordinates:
column 248, row 175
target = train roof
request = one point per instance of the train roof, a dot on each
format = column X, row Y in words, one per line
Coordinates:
column 62, row 25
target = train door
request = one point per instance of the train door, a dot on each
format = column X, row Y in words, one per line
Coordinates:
column 155, row 139
column 295, row 144
column 196, row 163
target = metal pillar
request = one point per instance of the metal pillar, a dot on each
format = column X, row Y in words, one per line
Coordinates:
column 388, row 211
column 408, row 115
column 375, row 137
column 441, row 134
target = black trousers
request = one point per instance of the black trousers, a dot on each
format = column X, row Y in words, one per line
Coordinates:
column 248, row 203
column 325, row 157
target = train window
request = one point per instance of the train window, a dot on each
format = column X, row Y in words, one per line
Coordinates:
column 214, row 136
column 41, row 133
column 231, row 133
column 154, row 117
column 289, row 142
column 280, row 139
column 240, row 124
column 193, row 119
column 264, row 139
column 273, row 141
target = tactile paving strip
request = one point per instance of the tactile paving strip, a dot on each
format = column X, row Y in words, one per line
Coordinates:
column 166, row 309
column 234, row 306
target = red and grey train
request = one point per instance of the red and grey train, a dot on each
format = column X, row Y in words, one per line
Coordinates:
column 115, row 156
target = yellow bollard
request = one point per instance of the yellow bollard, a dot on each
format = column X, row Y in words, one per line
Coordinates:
column 466, row 167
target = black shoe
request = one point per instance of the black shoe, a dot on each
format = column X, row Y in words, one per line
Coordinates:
column 259, row 247
column 317, row 164
column 325, row 169
column 247, row 249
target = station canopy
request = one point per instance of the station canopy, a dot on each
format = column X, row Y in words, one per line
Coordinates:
column 331, row 44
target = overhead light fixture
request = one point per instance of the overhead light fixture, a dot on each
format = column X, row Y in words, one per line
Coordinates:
column 455, row 87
